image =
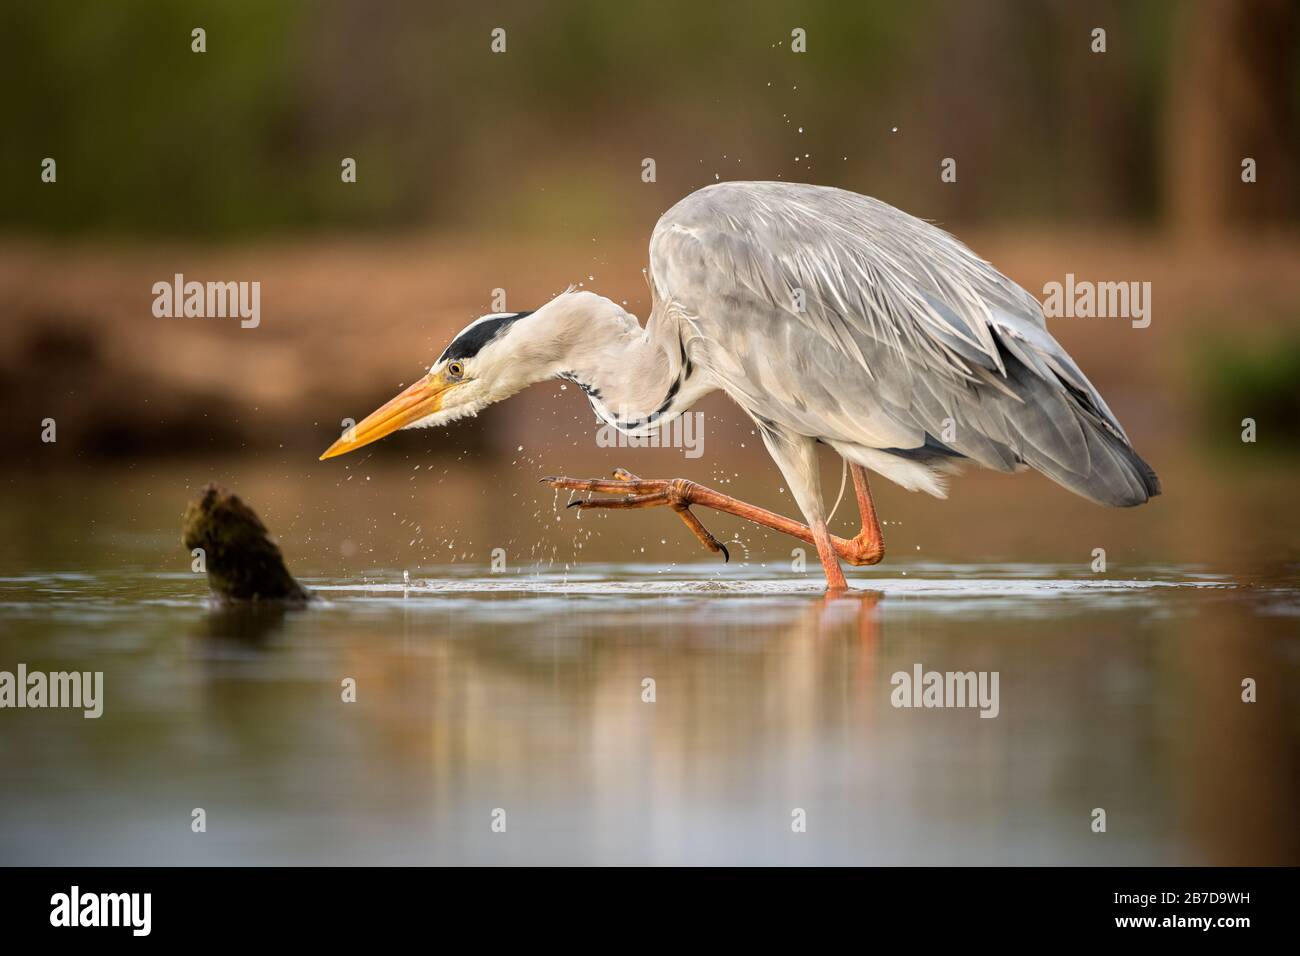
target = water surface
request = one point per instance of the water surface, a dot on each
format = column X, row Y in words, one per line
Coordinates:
column 523, row 692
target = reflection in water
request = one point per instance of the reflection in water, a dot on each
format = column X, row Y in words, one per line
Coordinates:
column 524, row 690
column 252, row 624
column 528, row 693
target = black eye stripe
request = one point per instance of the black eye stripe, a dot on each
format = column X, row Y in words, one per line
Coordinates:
column 470, row 342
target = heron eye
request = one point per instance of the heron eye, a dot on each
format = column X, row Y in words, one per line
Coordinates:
column 455, row 370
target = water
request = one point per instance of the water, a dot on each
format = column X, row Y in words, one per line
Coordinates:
column 523, row 692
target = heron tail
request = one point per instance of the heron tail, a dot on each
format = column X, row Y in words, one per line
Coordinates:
column 1056, row 422
column 1116, row 476
column 1066, row 431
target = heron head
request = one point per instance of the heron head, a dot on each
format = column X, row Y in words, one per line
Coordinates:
column 484, row 363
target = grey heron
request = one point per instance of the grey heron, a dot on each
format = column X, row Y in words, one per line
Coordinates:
column 828, row 317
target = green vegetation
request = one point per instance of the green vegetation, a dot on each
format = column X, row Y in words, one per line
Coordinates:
column 1258, row 381
column 247, row 138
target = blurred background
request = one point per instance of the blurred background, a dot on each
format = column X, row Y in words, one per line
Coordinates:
column 522, row 171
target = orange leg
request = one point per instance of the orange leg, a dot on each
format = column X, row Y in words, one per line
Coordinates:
column 867, row 547
column 830, row 561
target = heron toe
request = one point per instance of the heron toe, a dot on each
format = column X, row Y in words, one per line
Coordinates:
column 642, row 493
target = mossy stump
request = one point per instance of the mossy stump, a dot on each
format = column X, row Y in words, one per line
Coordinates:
column 242, row 562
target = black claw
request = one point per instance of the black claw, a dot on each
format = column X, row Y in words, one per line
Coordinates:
column 575, row 504
column 726, row 555
column 549, row 478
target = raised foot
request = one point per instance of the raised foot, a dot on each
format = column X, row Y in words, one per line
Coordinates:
column 637, row 492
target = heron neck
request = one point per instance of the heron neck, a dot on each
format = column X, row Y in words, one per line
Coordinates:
column 631, row 377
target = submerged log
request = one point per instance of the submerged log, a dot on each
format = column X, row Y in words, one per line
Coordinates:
column 242, row 562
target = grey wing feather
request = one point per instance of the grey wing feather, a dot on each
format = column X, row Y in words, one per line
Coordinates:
column 846, row 319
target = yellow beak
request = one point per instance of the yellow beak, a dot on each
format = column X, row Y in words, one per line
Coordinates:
column 419, row 401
